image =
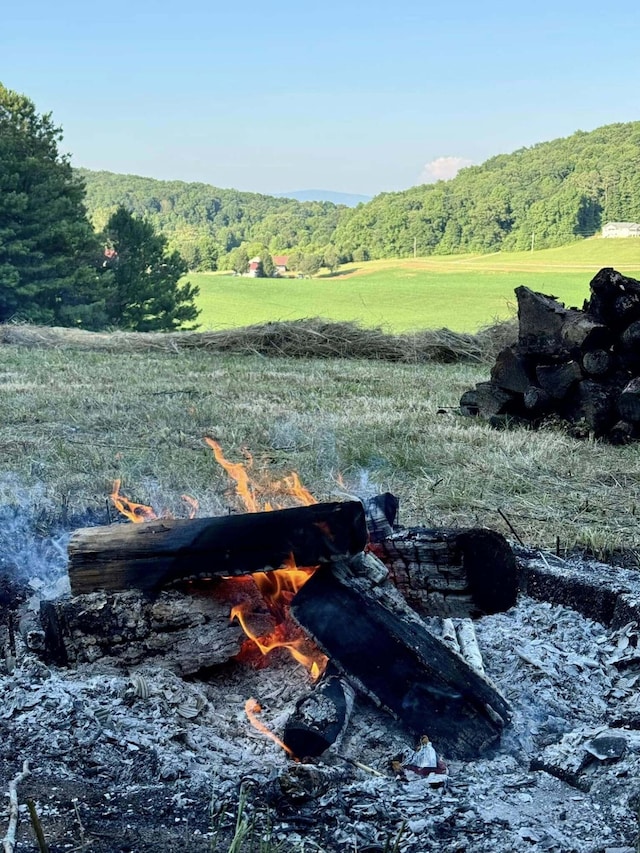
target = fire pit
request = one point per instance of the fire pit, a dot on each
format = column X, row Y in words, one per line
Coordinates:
column 133, row 711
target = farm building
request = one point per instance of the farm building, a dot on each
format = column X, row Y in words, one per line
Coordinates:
column 281, row 263
column 621, row 229
column 255, row 268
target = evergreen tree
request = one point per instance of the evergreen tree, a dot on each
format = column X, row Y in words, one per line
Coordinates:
column 50, row 264
column 147, row 295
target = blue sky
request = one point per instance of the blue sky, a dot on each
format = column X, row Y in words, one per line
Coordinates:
column 356, row 97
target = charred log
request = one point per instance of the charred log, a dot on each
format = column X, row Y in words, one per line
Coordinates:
column 448, row 572
column 597, row 362
column 511, row 372
column 615, row 299
column 183, row 633
column 321, row 717
column 154, row 554
column 382, row 646
column 629, row 402
column 558, row 379
column 540, row 322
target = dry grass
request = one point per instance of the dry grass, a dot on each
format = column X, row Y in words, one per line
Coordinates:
column 76, row 417
column 313, row 338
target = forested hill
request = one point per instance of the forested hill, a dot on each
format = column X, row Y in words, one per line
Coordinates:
column 548, row 195
column 204, row 222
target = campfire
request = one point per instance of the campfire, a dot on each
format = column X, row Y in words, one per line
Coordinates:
column 327, row 592
column 407, row 733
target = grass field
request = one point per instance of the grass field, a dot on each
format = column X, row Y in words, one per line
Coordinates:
column 74, row 420
column 460, row 292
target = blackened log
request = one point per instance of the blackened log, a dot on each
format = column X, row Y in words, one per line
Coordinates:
column 382, row 646
column 581, row 333
column 592, row 404
column 511, row 372
column 630, row 349
column 493, row 400
column 615, row 299
column 623, row 432
column 540, row 322
column 452, row 572
column 321, row 717
column 557, row 379
column 381, row 512
column 153, row 554
column 469, row 403
column 536, row 400
column 597, row 362
column 629, row 402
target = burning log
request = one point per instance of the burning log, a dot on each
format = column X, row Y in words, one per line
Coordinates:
column 364, row 625
column 321, row 717
column 449, row 572
column 154, row 554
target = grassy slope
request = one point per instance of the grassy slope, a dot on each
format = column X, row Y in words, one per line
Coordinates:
column 460, row 292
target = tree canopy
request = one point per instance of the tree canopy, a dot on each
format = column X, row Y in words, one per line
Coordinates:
column 147, row 295
column 49, row 253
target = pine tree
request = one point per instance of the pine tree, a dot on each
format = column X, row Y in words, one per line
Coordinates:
column 49, row 255
column 147, row 295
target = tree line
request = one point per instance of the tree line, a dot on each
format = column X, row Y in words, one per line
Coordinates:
column 55, row 268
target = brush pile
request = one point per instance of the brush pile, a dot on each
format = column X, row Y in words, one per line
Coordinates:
column 580, row 366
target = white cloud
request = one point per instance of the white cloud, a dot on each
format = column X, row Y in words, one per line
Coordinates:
column 442, row 169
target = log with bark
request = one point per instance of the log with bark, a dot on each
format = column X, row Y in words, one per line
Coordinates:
column 361, row 621
column 451, row 572
column 155, row 554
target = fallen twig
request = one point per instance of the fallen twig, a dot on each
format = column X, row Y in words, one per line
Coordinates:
column 9, row 840
column 37, row 827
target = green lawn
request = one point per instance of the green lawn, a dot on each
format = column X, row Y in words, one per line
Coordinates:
column 461, row 292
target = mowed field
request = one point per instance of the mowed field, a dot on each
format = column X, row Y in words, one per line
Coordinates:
column 459, row 292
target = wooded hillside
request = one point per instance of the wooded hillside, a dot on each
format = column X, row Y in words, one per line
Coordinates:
column 545, row 196
column 204, row 222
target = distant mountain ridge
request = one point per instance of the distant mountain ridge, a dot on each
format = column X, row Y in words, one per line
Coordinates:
column 347, row 199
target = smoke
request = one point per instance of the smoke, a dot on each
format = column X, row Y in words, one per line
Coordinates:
column 442, row 169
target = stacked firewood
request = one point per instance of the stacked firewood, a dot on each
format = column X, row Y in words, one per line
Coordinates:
column 580, row 366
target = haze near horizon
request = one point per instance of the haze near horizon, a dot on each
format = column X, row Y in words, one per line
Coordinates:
column 266, row 99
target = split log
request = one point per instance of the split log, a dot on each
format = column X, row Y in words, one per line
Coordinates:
column 449, row 572
column 592, row 405
column 536, row 400
column 469, row 405
column 154, row 554
column 629, row 402
column 540, row 320
column 581, row 333
column 597, row 362
column 383, row 647
column 558, row 379
column 183, row 633
column 320, row 718
column 615, row 299
column 493, row 400
column 511, row 372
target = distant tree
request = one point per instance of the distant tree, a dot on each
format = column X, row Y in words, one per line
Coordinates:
column 331, row 258
column 310, row 264
column 209, row 254
column 238, row 260
column 295, row 259
column 147, row 294
column 268, row 267
column 50, row 258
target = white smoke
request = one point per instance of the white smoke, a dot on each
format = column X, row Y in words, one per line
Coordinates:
column 442, row 169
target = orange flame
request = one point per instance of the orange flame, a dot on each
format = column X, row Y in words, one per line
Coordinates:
column 133, row 511
column 141, row 512
column 252, row 708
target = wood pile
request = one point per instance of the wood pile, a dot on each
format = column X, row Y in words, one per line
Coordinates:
column 582, row 366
